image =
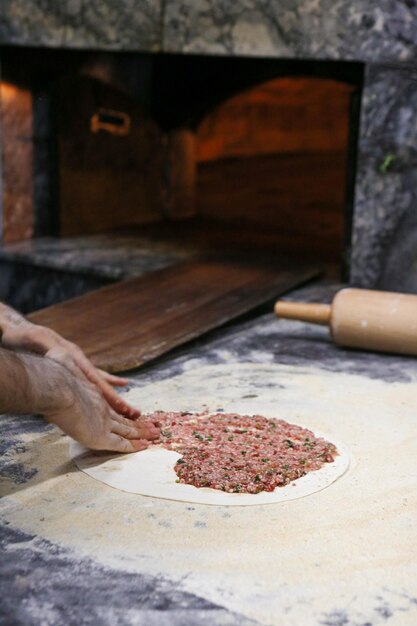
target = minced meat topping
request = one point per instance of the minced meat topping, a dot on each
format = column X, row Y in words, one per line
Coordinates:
column 240, row 453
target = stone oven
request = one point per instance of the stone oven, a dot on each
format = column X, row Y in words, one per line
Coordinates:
column 283, row 126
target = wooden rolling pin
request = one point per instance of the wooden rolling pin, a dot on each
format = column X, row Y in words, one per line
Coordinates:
column 359, row 318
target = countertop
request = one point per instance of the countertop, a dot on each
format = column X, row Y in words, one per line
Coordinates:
column 59, row 566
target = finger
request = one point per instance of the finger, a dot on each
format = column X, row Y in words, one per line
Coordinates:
column 139, row 444
column 111, row 396
column 116, row 443
column 145, row 429
column 72, row 356
column 116, row 402
column 132, row 429
column 150, row 427
column 117, row 381
column 124, row 431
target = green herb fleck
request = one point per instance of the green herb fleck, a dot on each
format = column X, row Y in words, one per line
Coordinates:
column 386, row 163
column 290, row 444
column 257, row 478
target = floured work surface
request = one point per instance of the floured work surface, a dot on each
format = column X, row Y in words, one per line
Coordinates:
column 125, row 325
column 345, row 554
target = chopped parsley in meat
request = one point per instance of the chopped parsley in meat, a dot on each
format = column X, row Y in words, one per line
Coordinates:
column 240, row 453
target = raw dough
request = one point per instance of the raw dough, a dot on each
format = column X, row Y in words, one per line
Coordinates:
column 151, row 472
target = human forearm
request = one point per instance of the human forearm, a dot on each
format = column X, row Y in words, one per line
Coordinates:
column 10, row 321
column 18, row 333
column 31, row 384
column 9, row 316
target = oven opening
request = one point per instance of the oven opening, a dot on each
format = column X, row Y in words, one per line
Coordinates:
column 253, row 154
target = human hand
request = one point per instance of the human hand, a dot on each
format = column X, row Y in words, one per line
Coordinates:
column 82, row 413
column 19, row 333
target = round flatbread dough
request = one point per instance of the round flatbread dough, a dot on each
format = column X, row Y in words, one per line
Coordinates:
column 151, row 472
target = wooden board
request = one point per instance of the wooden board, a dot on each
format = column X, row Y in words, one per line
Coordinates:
column 125, row 325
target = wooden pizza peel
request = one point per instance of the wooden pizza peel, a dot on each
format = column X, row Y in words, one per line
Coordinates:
column 125, row 325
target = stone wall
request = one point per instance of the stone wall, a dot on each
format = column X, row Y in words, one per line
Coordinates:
column 379, row 31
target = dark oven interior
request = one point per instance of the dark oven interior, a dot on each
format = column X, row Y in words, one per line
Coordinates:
column 218, row 152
